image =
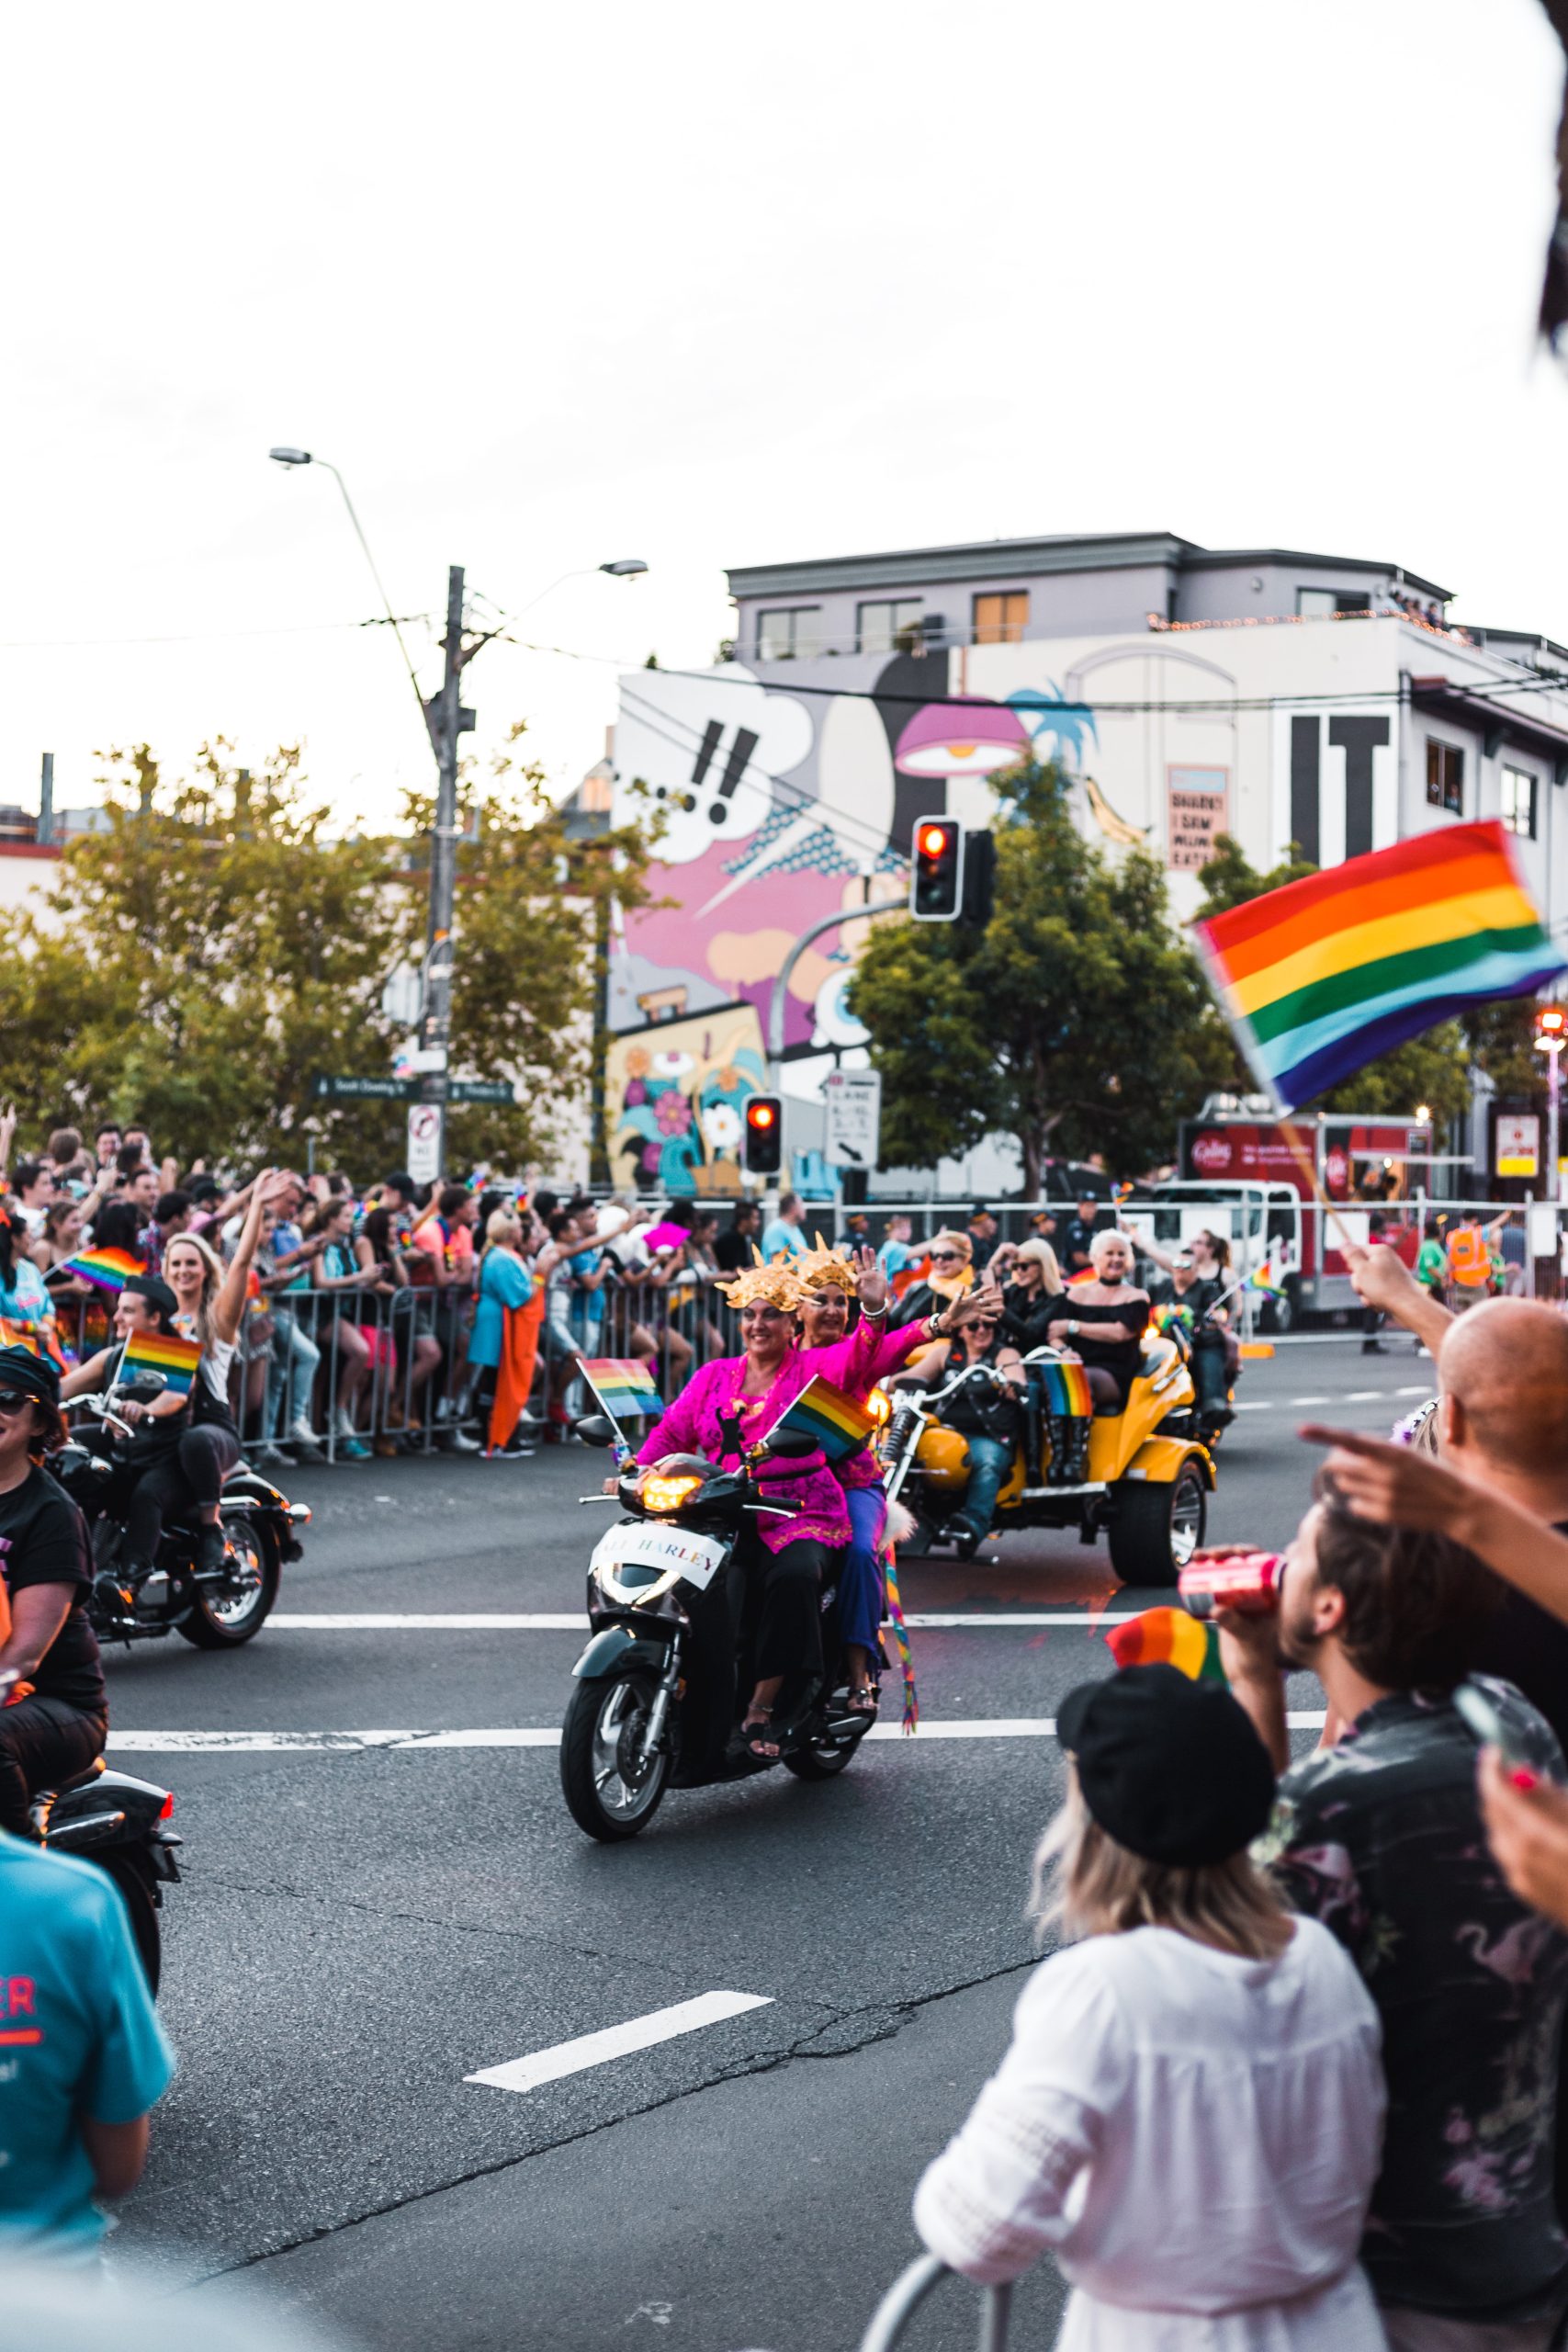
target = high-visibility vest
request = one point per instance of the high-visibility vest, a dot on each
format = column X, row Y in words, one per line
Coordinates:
column 1470, row 1261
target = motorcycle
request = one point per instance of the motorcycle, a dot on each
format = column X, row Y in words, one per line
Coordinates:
column 121, row 1826
column 212, row 1609
column 1144, row 1480
column 661, row 1688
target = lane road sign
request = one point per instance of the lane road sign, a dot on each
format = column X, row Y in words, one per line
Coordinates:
column 854, row 1103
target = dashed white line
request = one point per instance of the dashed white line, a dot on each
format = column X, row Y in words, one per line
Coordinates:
column 350, row 1743
column 617, row 2040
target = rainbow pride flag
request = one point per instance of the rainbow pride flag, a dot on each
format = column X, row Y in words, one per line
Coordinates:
column 1162, row 1318
column 38, row 1338
column 840, row 1425
column 163, row 1351
column 1168, row 1637
column 1064, row 1388
column 1084, row 1274
column 110, row 1269
column 1265, row 1279
column 623, row 1387
column 1321, row 977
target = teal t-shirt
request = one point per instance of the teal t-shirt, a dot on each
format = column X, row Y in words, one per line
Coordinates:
column 779, row 1236
column 78, row 2036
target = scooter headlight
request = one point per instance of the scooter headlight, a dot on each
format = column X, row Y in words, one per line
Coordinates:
column 658, row 1492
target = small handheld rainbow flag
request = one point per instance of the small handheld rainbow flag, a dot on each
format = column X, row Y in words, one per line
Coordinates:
column 163, row 1351
column 839, row 1424
column 1064, row 1388
column 1168, row 1637
column 1265, row 1279
column 39, row 1340
column 1321, row 977
column 1084, row 1274
column 110, row 1269
column 1171, row 1312
column 623, row 1386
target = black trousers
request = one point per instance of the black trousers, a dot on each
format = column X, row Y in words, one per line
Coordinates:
column 42, row 1741
column 786, row 1591
column 1209, row 1371
column 187, row 1475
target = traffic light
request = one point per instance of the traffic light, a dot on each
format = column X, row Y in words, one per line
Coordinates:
column 979, row 879
column 1551, row 1029
column 936, row 870
column 764, row 1135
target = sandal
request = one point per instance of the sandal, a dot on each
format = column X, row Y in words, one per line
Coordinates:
column 864, row 1701
column 757, row 1739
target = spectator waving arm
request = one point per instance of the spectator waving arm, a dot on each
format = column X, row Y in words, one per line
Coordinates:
column 229, row 1304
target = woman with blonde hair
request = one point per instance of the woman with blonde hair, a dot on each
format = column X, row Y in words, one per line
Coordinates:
column 1034, row 1280
column 950, row 1272
column 1189, row 2116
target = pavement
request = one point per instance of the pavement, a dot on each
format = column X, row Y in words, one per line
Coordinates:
column 779, row 2000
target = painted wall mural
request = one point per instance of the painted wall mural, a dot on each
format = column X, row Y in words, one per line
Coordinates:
column 676, row 1096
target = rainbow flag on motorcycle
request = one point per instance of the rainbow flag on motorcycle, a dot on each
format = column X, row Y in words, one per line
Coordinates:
column 840, row 1425
column 623, row 1387
column 37, row 1337
column 1064, row 1388
column 163, row 1351
column 1265, row 1279
column 110, row 1269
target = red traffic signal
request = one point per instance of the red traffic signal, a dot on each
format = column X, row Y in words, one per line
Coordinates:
column 764, row 1135
column 936, row 870
column 1551, row 1028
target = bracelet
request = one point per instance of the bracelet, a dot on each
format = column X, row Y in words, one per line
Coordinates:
column 876, row 1313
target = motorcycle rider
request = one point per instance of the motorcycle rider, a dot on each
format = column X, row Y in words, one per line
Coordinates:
column 950, row 1256
column 1197, row 1296
column 828, row 1279
column 723, row 1409
column 54, row 1721
column 986, row 1416
column 183, row 1446
column 1102, row 1322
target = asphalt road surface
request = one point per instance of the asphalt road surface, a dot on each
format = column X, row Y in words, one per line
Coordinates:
column 385, row 1896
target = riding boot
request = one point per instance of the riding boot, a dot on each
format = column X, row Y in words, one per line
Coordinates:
column 1077, row 1450
column 210, row 1548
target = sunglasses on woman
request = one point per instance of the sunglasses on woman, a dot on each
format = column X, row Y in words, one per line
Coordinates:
column 16, row 1401
column 944, row 1257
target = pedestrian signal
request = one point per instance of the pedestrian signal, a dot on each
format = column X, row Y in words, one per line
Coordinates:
column 936, row 870
column 764, row 1135
column 1551, row 1029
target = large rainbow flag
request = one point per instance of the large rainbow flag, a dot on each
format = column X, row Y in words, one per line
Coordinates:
column 163, row 1351
column 1319, row 977
column 839, row 1424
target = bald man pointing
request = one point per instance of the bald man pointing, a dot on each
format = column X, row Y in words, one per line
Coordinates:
column 1502, row 1420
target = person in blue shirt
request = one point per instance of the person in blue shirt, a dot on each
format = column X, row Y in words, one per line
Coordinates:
column 898, row 1251
column 83, row 2058
column 785, row 1232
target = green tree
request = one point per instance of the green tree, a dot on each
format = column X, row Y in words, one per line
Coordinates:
column 1076, row 1021
column 1433, row 1068
column 223, row 941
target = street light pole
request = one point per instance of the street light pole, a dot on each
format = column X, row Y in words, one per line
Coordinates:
column 448, row 719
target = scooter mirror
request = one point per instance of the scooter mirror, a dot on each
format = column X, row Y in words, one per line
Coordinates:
column 596, row 1429
column 791, row 1445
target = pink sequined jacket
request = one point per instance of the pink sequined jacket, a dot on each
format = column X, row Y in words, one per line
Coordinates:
column 691, row 1425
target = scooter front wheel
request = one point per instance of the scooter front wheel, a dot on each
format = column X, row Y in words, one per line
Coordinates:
column 609, row 1794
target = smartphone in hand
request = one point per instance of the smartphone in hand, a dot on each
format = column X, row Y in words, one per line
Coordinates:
column 1482, row 1716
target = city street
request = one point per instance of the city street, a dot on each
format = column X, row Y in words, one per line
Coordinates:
column 384, row 1896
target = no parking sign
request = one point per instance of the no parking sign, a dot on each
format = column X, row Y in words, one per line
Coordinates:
column 424, row 1142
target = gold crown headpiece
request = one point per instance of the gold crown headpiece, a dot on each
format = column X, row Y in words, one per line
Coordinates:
column 777, row 1285
column 826, row 1268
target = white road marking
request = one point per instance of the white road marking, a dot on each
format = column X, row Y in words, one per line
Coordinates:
column 617, row 2040
column 351, row 1743
column 564, row 1622
column 1294, row 1400
column 1422, row 1388
column 1366, row 1396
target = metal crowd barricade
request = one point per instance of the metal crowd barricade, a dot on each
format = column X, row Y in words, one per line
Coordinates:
column 907, row 2292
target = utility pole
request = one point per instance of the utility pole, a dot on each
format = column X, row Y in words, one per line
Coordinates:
column 46, row 800
column 447, row 718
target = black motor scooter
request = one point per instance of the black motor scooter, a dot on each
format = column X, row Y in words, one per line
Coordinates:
column 216, row 1608
column 661, row 1688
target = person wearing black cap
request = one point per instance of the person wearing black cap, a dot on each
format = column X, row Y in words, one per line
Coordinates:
column 56, row 1721
column 1189, row 2112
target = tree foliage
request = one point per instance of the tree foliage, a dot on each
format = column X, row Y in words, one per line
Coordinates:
column 1076, row 1021
column 1433, row 1068
column 223, row 941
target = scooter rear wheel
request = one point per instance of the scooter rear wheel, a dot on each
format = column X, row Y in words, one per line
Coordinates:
column 603, row 1720
column 133, row 1876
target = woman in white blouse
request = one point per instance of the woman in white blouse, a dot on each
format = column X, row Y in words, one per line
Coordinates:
column 1190, row 2113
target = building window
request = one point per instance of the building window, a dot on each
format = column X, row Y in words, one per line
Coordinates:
column 1001, row 620
column 1312, row 603
column 1445, row 777
column 1518, row 810
column 789, row 635
column 892, row 628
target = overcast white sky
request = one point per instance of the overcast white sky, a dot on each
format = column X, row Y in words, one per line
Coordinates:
column 712, row 285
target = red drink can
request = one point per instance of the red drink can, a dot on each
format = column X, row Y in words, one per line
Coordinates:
column 1250, row 1585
